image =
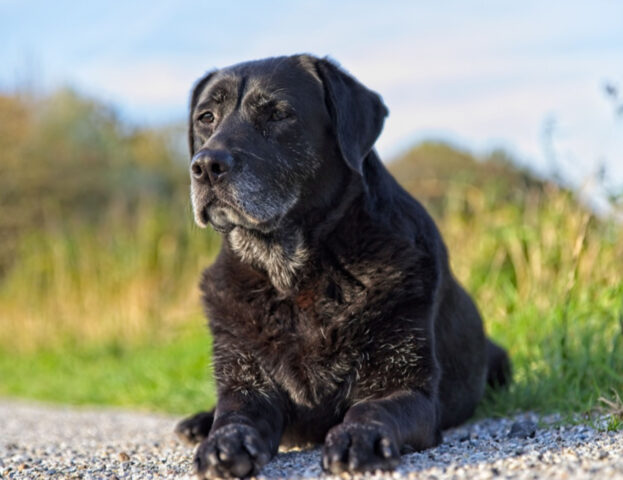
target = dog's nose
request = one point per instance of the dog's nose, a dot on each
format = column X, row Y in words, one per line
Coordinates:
column 211, row 165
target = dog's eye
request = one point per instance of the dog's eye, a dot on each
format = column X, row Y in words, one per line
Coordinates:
column 207, row 117
column 278, row 115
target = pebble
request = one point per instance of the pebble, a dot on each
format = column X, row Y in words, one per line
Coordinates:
column 38, row 441
column 522, row 429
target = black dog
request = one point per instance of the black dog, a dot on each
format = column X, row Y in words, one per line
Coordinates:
column 334, row 313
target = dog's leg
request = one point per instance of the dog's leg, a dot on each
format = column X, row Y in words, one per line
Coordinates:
column 196, row 427
column 374, row 431
column 245, row 435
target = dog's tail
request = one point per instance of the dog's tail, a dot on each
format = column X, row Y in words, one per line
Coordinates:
column 499, row 372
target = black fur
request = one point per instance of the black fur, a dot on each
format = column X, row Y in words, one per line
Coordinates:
column 335, row 316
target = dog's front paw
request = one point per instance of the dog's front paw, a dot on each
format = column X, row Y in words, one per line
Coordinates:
column 356, row 447
column 235, row 450
column 194, row 429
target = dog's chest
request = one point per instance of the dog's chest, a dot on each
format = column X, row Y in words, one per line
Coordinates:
column 311, row 347
column 315, row 343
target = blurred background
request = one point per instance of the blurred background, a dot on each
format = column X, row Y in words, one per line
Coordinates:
column 506, row 121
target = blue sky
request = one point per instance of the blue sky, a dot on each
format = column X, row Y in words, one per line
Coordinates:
column 480, row 74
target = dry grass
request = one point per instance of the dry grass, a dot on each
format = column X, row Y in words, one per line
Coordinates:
column 94, row 286
column 121, row 267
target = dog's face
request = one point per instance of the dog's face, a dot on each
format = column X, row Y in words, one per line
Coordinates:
column 265, row 137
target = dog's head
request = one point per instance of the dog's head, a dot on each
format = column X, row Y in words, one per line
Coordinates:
column 271, row 137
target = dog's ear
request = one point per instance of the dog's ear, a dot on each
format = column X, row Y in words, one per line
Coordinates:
column 194, row 98
column 357, row 113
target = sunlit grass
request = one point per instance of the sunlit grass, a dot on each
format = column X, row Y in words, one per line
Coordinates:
column 118, row 282
column 110, row 313
column 169, row 375
column 547, row 277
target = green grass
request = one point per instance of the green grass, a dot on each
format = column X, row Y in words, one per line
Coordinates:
column 615, row 423
column 170, row 376
column 561, row 367
column 98, row 272
column 122, row 325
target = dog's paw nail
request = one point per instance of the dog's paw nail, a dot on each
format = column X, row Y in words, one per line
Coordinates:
column 242, row 467
column 386, row 447
column 213, row 457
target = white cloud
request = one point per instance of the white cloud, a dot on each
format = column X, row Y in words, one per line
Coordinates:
column 142, row 83
column 468, row 91
column 480, row 73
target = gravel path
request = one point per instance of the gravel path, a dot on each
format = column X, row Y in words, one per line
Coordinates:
column 38, row 441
